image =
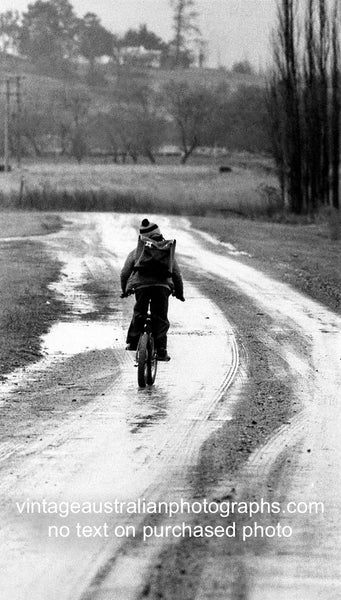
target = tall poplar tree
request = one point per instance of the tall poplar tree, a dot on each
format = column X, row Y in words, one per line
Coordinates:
column 185, row 25
column 305, row 104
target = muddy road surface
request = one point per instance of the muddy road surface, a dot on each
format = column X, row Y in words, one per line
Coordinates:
column 220, row 482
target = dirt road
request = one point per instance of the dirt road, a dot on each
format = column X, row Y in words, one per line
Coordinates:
column 246, row 412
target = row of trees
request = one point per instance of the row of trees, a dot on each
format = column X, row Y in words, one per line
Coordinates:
column 305, row 103
column 52, row 36
column 138, row 120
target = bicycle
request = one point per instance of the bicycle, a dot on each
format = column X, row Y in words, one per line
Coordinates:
column 146, row 356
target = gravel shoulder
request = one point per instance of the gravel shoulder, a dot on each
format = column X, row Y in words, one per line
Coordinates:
column 303, row 256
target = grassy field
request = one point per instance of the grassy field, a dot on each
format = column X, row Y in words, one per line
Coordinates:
column 172, row 189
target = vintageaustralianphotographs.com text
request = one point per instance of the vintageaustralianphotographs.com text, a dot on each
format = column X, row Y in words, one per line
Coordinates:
column 141, row 506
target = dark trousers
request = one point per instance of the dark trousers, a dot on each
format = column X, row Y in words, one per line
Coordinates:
column 158, row 297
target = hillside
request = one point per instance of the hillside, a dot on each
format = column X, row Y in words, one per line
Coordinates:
column 63, row 113
column 34, row 80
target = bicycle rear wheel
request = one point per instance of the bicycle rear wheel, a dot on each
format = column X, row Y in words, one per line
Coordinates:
column 146, row 361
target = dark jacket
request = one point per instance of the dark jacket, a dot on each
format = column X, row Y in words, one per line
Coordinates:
column 132, row 280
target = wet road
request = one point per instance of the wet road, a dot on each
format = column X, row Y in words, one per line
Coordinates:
column 126, row 443
column 129, row 443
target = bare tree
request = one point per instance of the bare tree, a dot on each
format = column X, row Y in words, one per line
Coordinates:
column 77, row 103
column 275, row 108
column 103, row 136
column 287, row 18
column 79, row 146
column 37, row 125
column 138, row 119
column 311, row 119
column 191, row 109
column 71, row 114
column 304, row 95
column 336, row 106
column 323, row 61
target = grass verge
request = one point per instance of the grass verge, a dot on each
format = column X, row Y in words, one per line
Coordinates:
column 27, row 305
column 302, row 255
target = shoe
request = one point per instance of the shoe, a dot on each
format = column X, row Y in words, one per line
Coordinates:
column 131, row 347
column 162, row 355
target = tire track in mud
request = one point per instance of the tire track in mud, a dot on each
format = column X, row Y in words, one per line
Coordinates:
column 299, row 462
column 115, row 577
column 294, row 313
column 191, row 567
column 112, row 573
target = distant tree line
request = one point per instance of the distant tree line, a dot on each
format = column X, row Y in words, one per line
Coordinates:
column 304, row 100
column 136, row 119
column 51, row 35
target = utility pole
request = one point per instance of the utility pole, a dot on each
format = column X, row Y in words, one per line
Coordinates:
column 16, row 80
column 18, row 95
column 6, row 133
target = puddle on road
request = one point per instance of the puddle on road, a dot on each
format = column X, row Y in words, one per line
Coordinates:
column 75, row 334
column 64, row 340
column 72, row 338
column 69, row 287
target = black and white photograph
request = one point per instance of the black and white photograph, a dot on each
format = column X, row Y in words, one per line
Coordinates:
column 170, row 286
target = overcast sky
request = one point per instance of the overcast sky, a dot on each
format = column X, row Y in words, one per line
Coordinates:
column 234, row 29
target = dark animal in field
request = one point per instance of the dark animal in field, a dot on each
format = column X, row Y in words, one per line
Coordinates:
column 225, row 169
column 2, row 168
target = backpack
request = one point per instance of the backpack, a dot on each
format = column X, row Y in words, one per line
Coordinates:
column 155, row 257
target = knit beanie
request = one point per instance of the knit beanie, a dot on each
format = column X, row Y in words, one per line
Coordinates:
column 148, row 228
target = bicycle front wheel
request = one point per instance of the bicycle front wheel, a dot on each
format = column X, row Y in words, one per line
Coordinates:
column 146, row 361
column 151, row 361
column 142, row 361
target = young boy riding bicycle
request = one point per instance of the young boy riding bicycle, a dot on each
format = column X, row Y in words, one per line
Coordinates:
column 152, row 273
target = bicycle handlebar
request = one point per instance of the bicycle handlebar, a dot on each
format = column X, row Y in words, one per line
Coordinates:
column 125, row 295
